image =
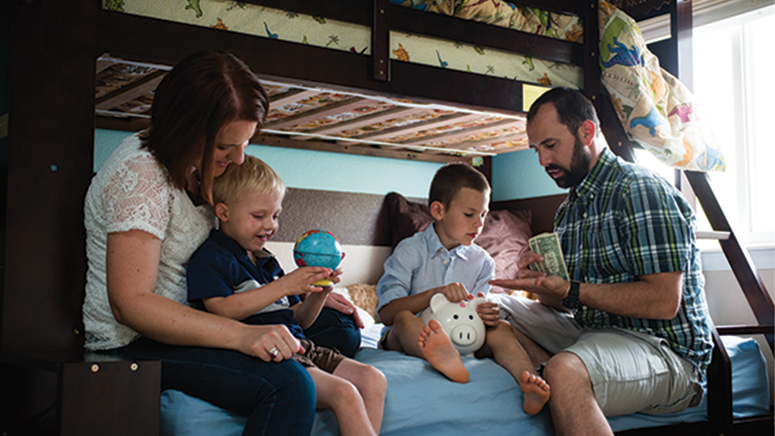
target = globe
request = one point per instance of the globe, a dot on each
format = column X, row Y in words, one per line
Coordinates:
column 318, row 248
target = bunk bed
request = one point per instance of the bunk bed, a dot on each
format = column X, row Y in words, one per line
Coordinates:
column 57, row 52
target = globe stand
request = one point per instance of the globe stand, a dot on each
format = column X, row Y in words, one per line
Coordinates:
column 324, row 283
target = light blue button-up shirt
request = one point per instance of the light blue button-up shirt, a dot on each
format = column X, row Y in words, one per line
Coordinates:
column 421, row 262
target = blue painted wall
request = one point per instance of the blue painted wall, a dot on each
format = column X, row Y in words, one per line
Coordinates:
column 518, row 175
column 320, row 170
column 105, row 141
column 351, row 173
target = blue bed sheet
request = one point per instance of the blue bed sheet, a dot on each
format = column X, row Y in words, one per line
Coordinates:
column 421, row 401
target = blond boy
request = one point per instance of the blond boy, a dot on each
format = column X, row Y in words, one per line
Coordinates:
column 233, row 275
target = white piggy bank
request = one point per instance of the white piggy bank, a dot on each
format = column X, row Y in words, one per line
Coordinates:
column 459, row 320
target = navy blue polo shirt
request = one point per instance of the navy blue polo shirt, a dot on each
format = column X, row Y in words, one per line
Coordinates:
column 221, row 267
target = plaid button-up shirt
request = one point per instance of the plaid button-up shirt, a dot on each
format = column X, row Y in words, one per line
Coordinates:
column 621, row 222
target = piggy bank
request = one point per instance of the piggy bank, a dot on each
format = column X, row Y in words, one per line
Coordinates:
column 459, row 321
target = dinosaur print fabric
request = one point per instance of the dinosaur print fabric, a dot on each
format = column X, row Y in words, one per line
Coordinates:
column 656, row 110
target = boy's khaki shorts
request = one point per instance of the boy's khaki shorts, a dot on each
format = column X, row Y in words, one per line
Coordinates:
column 630, row 371
column 327, row 359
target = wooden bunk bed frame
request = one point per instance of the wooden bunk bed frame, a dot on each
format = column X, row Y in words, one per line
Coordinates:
column 46, row 160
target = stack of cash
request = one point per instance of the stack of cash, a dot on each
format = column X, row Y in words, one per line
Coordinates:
column 548, row 246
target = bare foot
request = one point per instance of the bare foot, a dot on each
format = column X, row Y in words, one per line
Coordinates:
column 441, row 354
column 536, row 392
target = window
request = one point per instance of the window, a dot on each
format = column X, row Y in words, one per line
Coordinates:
column 733, row 84
column 731, row 59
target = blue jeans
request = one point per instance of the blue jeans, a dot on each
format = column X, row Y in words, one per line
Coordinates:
column 333, row 329
column 277, row 398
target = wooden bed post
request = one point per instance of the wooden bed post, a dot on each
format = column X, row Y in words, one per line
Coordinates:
column 49, row 386
column 609, row 121
column 380, row 41
column 49, row 166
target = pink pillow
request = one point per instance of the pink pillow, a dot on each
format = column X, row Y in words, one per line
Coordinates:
column 505, row 236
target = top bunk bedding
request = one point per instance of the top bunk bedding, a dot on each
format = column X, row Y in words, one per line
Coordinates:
column 655, row 109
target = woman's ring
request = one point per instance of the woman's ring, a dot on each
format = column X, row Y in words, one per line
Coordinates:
column 274, row 352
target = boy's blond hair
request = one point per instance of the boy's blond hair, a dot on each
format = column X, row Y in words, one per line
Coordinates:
column 254, row 175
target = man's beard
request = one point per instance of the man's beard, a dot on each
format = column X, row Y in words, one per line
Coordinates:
column 579, row 166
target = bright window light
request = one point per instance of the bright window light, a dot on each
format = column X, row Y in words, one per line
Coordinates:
column 735, row 92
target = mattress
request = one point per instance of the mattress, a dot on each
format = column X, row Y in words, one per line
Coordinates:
column 421, row 401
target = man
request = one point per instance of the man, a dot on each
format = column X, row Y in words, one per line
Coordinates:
column 630, row 332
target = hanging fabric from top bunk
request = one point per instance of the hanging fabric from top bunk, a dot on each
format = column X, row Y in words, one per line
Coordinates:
column 656, row 109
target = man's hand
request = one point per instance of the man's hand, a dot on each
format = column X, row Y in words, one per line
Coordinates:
column 550, row 290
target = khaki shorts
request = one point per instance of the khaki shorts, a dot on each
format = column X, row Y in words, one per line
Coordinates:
column 630, row 371
column 327, row 359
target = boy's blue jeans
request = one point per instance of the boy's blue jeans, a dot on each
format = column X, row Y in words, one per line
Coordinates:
column 333, row 329
column 278, row 398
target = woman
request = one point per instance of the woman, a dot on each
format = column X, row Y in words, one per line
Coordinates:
column 145, row 214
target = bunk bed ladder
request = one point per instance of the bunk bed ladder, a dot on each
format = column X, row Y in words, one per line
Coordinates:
column 739, row 260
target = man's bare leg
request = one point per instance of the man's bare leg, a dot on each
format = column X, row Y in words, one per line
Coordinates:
column 574, row 408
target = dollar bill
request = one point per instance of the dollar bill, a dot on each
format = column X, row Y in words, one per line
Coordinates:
column 548, row 246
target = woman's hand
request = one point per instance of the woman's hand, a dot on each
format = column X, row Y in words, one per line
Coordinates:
column 269, row 342
column 340, row 303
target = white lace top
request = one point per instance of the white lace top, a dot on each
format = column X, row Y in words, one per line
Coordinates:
column 130, row 192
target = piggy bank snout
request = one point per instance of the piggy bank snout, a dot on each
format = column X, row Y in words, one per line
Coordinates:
column 463, row 334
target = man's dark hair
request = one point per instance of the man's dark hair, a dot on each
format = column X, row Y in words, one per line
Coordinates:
column 451, row 178
column 572, row 107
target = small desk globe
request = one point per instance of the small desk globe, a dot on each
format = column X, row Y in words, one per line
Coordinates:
column 318, row 248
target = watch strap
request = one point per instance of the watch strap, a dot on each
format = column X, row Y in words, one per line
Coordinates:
column 572, row 300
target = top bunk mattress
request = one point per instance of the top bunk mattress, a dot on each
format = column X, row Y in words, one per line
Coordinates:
column 655, row 109
column 325, row 32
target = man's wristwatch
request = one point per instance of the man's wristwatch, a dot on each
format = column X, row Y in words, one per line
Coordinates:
column 572, row 300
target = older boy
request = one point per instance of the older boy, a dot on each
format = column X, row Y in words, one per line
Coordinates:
column 443, row 259
column 233, row 275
